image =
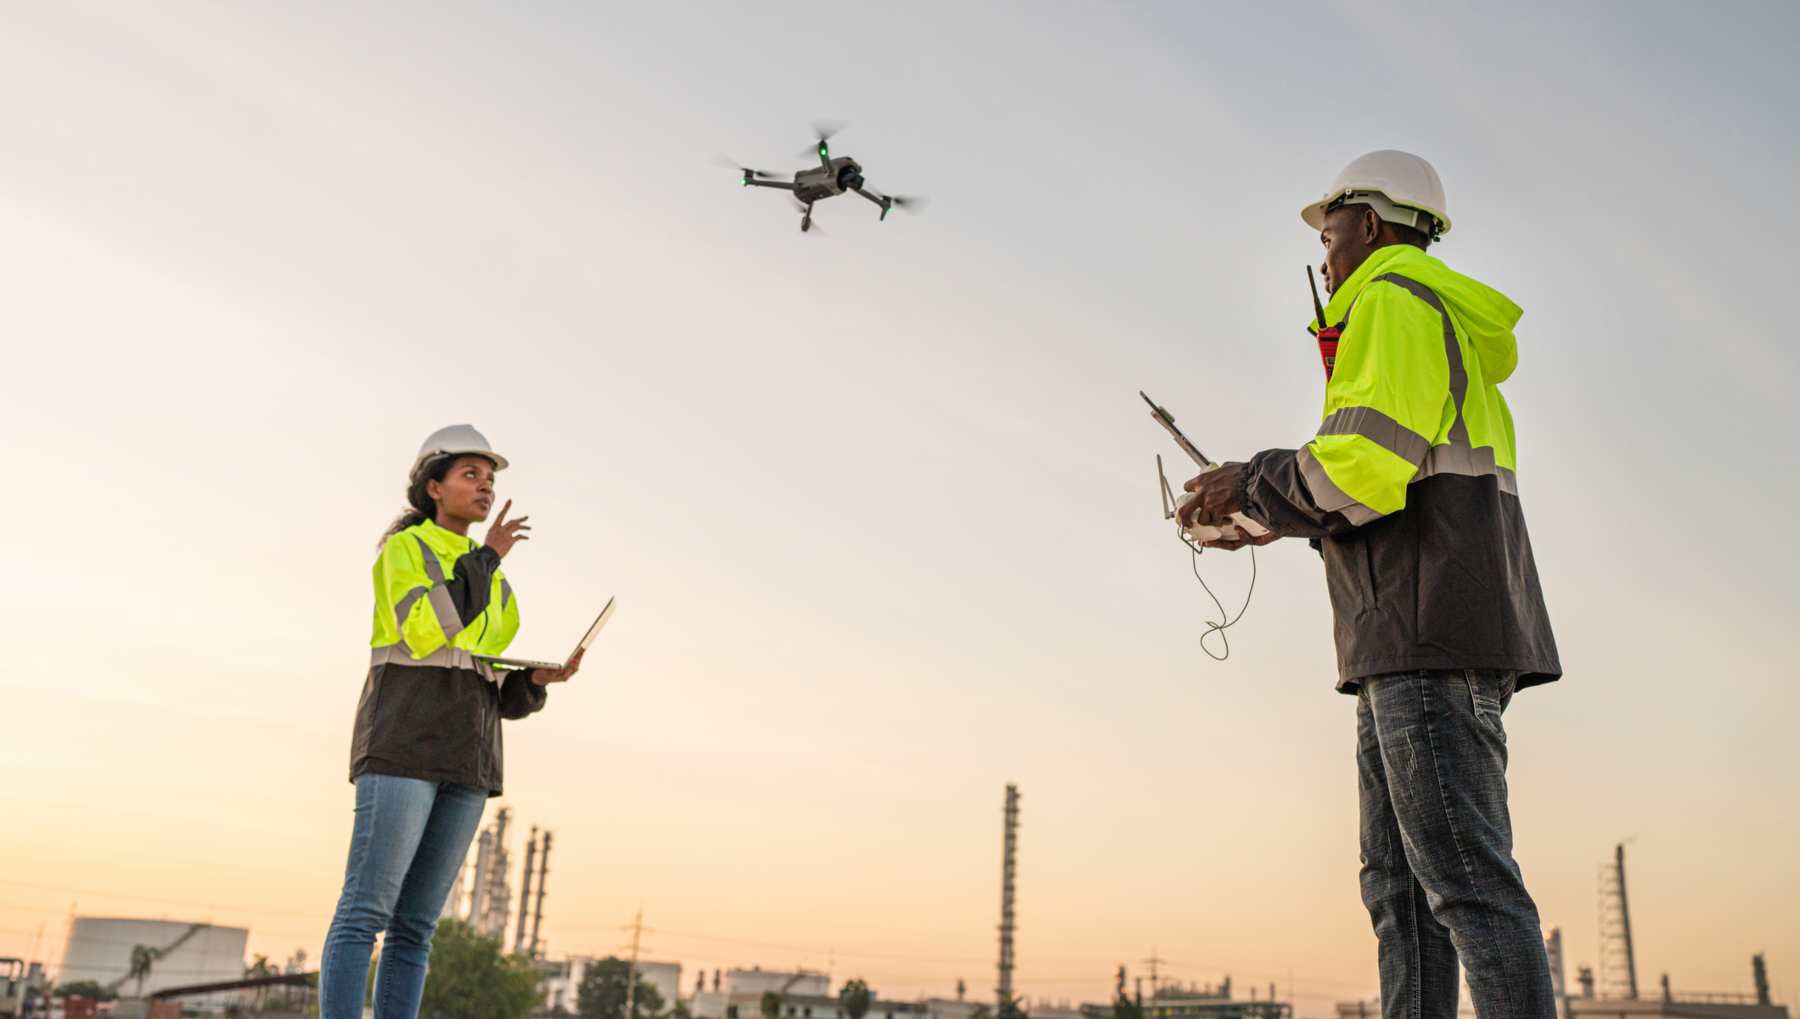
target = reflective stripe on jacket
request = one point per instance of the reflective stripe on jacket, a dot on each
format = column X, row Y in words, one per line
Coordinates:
column 1410, row 484
column 428, row 709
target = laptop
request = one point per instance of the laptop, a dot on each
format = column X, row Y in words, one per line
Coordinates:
column 526, row 663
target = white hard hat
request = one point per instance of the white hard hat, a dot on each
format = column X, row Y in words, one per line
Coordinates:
column 455, row 440
column 1397, row 185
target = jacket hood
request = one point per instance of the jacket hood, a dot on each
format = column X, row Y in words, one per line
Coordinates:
column 1486, row 315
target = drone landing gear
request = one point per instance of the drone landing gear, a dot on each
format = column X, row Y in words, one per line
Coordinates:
column 806, row 218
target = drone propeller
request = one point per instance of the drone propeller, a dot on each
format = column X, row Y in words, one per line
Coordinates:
column 749, row 173
column 889, row 202
column 824, row 130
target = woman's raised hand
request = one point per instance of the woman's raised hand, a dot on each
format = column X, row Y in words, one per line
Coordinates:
column 503, row 532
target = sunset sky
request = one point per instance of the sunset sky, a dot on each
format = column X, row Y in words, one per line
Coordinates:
column 877, row 503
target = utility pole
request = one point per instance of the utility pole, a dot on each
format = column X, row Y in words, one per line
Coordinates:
column 637, row 931
column 1153, row 962
column 1008, row 876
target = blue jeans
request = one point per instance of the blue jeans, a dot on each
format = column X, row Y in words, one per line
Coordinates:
column 1438, row 875
column 405, row 850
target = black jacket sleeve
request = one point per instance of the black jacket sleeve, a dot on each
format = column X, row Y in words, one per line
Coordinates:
column 1276, row 496
column 473, row 583
column 519, row 696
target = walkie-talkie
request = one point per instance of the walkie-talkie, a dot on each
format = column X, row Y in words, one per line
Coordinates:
column 1327, row 335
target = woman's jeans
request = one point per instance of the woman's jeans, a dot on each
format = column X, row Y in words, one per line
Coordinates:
column 1438, row 874
column 408, row 844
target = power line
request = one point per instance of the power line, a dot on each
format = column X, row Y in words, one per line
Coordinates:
column 92, row 892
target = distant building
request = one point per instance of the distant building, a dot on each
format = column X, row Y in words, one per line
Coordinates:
column 1707, row 1006
column 822, row 1006
column 740, row 997
column 790, row 982
column 182, row 954
column 805, row 994
column 1175, row 1001
column 955, row 1008
column 561, row 983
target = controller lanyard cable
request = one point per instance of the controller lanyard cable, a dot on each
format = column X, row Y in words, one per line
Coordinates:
column 1225, row 621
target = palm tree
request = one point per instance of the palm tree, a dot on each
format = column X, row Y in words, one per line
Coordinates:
column 259, row 968
column 143, row 959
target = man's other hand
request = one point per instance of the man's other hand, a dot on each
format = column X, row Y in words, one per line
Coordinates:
column 1244, row 540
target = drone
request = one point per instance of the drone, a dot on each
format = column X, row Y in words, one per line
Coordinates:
column 832, row 177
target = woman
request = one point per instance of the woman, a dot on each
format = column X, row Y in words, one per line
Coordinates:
column 426, row 752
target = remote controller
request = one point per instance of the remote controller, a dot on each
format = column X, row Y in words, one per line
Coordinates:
column 1172, row 506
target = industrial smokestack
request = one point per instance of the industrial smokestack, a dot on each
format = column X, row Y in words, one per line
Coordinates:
column 537, row 916
column 1553, row 948
column 1625, row 916
column 1008, row 874
column 484, row 865
column 520, row 943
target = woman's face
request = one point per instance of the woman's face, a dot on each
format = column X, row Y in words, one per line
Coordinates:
column 467, row 491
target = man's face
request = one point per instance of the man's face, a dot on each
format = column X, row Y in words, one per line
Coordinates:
column 1349, row 236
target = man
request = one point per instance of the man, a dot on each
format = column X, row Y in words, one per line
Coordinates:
column 1409, row 492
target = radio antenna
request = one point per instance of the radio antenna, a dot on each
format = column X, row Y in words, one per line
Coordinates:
column 1318, row 309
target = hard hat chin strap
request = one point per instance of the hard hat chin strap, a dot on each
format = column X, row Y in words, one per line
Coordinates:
column 1387, row 211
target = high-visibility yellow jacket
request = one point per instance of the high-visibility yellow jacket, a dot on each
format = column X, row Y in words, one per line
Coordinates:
column 1410, row 485
column 429, row 709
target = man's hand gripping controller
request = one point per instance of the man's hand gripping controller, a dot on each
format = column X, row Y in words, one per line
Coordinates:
column 1173, row 506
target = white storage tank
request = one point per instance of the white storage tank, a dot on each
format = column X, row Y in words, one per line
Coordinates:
column 100, row 949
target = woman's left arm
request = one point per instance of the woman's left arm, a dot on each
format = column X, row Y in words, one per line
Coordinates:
column 524, row 690
column 519, row 696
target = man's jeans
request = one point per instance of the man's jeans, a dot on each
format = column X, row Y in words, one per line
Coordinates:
column 1438, row 874
column 408, row 843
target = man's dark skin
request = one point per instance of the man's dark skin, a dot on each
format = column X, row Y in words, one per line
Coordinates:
column 1352, row 233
